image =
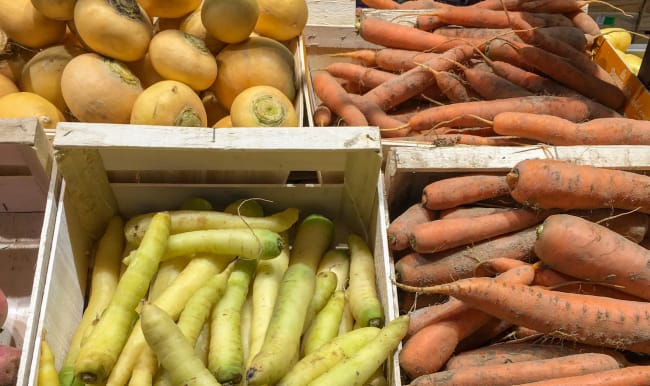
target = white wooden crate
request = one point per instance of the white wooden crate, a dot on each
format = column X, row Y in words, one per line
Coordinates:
column 109, row 169
column 408, row 169
column 25, row 210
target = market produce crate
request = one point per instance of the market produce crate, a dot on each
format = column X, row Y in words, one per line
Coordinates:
column 126, row 170
column 409, row 169
column 27, row 209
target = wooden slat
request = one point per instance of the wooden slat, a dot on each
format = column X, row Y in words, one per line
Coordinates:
column 331, row 12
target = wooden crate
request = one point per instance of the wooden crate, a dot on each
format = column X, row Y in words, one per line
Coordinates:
column 130, row 170
column 26, row 211
column 409, row 169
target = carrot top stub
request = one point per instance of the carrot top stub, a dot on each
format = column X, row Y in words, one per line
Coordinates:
column 554, row 184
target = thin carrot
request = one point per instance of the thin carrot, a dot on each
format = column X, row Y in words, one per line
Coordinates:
column 558, row 131
column 367, row 77
column 440, row 235
column 487, row 18
column 491, row 86
column 465, row 114
column 413, row 82
column 583, row 318
column 450, row 85
column 627, row 376
column 397, row 60
column 547, row 183
column 428, row 269
column 428, row 349
column 595, row 253
column 466, row 189
column 337, row 99
column 465, row 139
column 380, row 4
column 399, row 228
column 377, row 117
column 366, row 57
column 550, row 6
column 514, row 352
column 394, row 35
column 531, row 81
column 584, row 22
column 471, row 32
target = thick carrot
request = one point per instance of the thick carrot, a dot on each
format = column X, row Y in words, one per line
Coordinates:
column 367, row 77
column 587, row 319
column 466, row 189
column 465, row 114
column 487, row 18
column 396, row 60
column 496, row 266
column 548, row 183
column 584, row 22
column 595, row 253
column 399, row 228
column 413, row 82
column 558, row 131
column 571, row 35
column 429, row 269
column 394, row 35
column 389, row 126
column 491, row 86
column 531, row 81
column 469, row 211
column 627, row 376
column 521, row 352
column 428, row 349
column 337, row 99
column 440, row 235
column 366, row 57
column 468, row 32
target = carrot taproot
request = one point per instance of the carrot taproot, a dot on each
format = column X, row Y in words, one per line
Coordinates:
column 427, row 350
column 491, row 86
column 496, row 266
column 584, row 22
column 631, row 225
column 465, row 139
column 587, row 319
column 626, row 376
column 469, row 211
column 531, row 81
column 465, row 114
column 571, row 35
column 440, row 235
column 548, row 183
column 413, row 82
column 488, row 18
column 513, row 352
column 398, row 60
column 559, row 131
column 595, row 253
column 549, row 6
column 400, row 226
column 322, row 115
column 389, row 126
column 337, row 99
column 393, row 35
column 428, row 269
column 367, row 77
column 367, row 57
column 466, row 189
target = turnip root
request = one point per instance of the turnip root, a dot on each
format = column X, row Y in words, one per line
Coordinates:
column 9, row 361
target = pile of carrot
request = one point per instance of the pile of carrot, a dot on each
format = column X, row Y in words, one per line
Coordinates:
column 538, row 275
column 511, row 72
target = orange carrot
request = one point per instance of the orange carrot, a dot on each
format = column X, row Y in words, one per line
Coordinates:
column 429, row 269
column 328, row 89
column 480, row 131
column 398, row 229
column 487, row 18
column 396, row 60
column 421, row 4
column 364, row 56
column 469, row 211
column 587, row 319
column 520, row 352
column 381, row 4
column 394, row 35
column 465, row 139
column 504, row 50
column 594, row 253
column 631, row 225
column 468, row 32
column 547, row 183
column 496, row 266
column 559, row 131
column 377, row 117
column 413, row 82
column 627, row 376
column 366, row 77
column 466, row 189
column 440, row 235
column 428, row 349
column 491, row 86
column 550, row 6
column 322, row 115
column 584, row 22
column 465, row 114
